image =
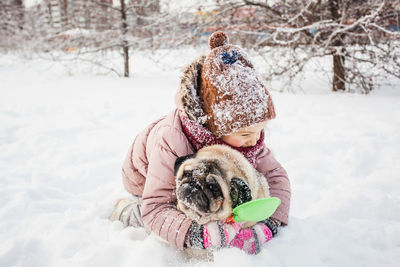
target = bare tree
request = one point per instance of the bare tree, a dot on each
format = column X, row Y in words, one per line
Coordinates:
column 357, row 34
column 11, row 22
column 124, row 28
column 127, row 26
column 90, row 30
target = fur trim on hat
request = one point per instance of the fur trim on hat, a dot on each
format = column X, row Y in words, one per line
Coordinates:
column 188, row 95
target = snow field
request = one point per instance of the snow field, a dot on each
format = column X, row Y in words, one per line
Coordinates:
column 63, row 140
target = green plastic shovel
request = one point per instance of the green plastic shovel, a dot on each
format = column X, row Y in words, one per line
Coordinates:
column 256, row 210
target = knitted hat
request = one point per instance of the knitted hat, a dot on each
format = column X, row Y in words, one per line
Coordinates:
column 232, row 94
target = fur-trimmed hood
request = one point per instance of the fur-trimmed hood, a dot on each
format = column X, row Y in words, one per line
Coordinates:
column 187, row 98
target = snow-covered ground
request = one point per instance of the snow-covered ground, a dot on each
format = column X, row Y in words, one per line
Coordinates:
column 63, row 139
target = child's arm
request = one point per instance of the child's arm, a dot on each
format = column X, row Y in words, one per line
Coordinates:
column 159, row 210
column 135, row 163
column 278, row 181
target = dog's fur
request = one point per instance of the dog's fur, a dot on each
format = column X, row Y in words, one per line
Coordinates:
column 209, row 181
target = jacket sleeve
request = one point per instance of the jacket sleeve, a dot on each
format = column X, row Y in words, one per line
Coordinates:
column 278, row 181
column 159, row 212
column 135, row 164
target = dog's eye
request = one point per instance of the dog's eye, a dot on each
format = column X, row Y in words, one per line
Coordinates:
column 187, row 174
column 214, row 187
column 215, row 190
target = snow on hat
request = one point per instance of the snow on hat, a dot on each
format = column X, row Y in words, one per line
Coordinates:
column 232, row 94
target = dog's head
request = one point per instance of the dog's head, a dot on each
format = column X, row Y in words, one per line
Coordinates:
column 206, row 190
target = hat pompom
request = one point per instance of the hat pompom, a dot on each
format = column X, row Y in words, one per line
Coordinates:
column 217, row 39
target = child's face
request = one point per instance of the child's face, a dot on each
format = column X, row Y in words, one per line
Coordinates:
column 246, row 136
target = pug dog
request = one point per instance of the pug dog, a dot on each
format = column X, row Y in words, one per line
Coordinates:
column 213, row 181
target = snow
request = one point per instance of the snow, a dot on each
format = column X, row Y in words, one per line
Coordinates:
column 63, row 139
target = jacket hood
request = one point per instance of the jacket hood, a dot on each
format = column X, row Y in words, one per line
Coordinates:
column 187, row 97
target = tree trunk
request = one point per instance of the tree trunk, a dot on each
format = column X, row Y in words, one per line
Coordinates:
column 19, row 10
column 125, row 49
column 125, row 46
column 338, row 73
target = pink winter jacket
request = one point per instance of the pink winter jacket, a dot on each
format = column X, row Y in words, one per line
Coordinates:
column 148, row 167
column 148, row 172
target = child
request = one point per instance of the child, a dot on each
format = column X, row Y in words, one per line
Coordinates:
column 221, row 101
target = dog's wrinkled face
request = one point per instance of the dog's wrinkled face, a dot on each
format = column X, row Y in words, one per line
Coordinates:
column 205, row 192
column 200, row 189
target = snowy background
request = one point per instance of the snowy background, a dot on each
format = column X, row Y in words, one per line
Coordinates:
column 63, row 139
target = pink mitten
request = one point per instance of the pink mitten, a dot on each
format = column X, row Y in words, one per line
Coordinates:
column 251, row 239
column 218, row 234
column 213, row 235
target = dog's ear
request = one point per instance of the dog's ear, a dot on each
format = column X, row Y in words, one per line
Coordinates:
column 180, row 160
column 240, row 192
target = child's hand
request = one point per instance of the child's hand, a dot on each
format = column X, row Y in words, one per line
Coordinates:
column 251, row 239
column 213, row 235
